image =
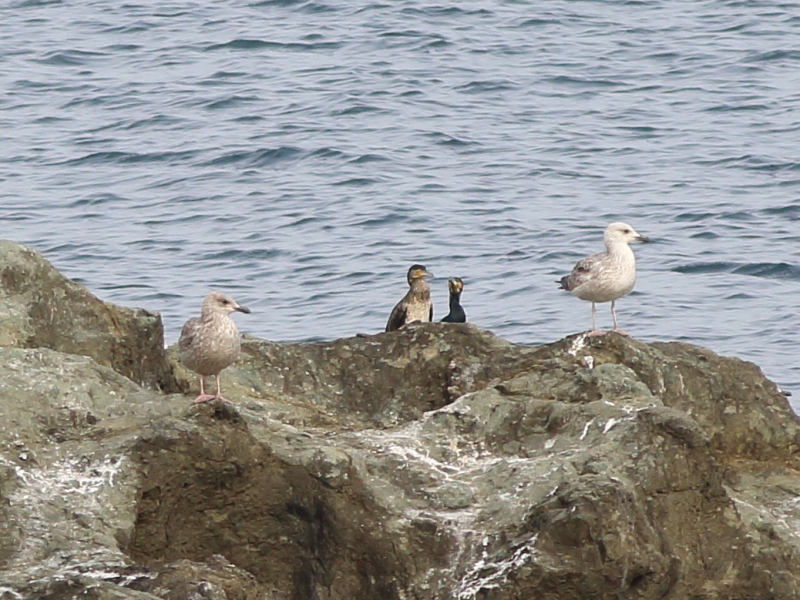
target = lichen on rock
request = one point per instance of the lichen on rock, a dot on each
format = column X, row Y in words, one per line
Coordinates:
column 40, row 308
column 438, row 462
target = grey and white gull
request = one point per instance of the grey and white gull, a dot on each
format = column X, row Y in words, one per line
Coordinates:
column 211, row 342
column 606, row 276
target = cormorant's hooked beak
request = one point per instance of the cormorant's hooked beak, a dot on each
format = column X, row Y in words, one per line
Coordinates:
column 243, row 309
column 427, row 274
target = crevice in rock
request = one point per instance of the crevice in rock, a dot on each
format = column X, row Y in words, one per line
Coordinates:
column 217, row 491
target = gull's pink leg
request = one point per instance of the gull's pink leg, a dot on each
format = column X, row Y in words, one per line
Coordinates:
column 203, row 397
column 219, row 395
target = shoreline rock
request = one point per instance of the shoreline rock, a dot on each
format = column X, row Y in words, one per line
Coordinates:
column 437, row 462
column 40, row 308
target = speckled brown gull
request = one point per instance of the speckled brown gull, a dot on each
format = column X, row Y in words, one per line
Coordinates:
column 210, row 342
column 608, row 275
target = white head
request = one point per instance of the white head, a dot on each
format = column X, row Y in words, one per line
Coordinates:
column 217, row 303
column 622, row 233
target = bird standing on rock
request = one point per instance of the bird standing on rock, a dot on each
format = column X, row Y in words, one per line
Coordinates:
column 416, row 305
column 211, row 342
column 608, row 275
column 456, row 314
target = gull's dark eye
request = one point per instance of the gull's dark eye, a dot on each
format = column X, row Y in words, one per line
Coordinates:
column 627, row 231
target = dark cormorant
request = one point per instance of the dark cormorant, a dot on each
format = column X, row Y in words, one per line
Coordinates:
column 416, row 305
column 456, row 314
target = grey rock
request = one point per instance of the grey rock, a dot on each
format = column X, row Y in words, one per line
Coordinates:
column 40, row 308
column 438, row 462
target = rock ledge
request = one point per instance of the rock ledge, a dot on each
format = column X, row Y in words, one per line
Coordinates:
column 438, row 462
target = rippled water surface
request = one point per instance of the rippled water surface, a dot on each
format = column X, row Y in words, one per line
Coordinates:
column 302, row 154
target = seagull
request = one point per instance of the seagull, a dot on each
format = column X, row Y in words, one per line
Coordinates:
column 210, row 342
column 608, row 275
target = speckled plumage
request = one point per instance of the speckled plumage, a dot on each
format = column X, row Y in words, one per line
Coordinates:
column 457, row 313
column 211, row 342
column 416, row 305
column 608, row 275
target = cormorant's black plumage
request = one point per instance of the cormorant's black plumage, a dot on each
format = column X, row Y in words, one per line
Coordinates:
column 456, row 314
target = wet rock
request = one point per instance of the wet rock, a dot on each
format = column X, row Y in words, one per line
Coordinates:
column 437, row 462
column 40, row 308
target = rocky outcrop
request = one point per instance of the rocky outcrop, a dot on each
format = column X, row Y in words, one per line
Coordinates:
column 40, row 308
column 437, row 462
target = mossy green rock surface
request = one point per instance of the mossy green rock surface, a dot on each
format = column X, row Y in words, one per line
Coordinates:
column 436, row 462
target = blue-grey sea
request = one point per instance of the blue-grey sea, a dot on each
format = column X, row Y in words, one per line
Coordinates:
column 302, row 154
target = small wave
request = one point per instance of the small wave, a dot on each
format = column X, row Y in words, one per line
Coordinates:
column 302, row 5
column 792, row 211
column 775, row 55
column 639, row 129
column 481, row 87
column 703, row 268
column 389, row 219
column 704, row 235
column 355, row 181
column 584, row 81
column 280, row 3
column 535, row 22
column 254, row 254
column 450, row 11
column 48, row 120
column 96, row 200
column 692, row 217
column 368, row 158
column 406, row 33
column 432, row 187
column 769, row 270
column 228, row 75
column 763, row 270
column 326, row 153
column 250, row 44
column 257, row 158
column 438, row 44
column 29, row 84
column 444, row 139
column 34, row 3
column 739, row 215
column 248, row 119
column 137, row 27
column 357, row 110
column 229, row 102
column 125, row 286
column 129, row 157
column 730, row 107
column 176, row 220
column 69, row 57
column 156, row 120
column 301, row 222
column 723, row 161
column 754, row 163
